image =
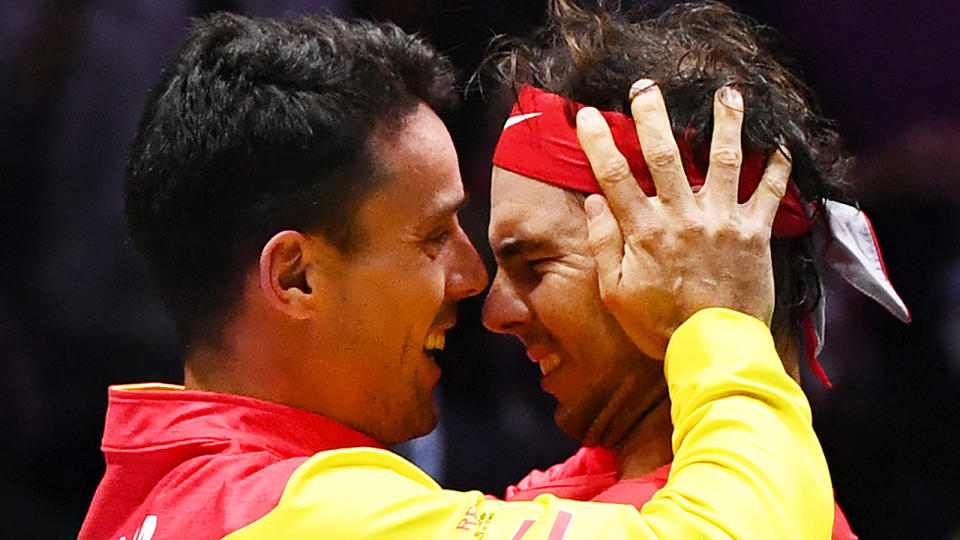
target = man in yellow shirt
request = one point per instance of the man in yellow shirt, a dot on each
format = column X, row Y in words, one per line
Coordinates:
column 295, row 196
column 612, row 395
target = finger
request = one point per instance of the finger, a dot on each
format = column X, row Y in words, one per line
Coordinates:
column 606, row 243
column 624, row 196
column 719, row 192
column 765, row 201
column 658, row 145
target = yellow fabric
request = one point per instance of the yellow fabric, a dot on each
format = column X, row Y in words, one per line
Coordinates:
column 747, row 465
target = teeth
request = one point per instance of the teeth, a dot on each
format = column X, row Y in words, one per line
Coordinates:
column 435, row 341
column 549, row 363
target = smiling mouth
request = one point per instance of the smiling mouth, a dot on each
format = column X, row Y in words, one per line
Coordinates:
column 435, row 342
column 549, row 363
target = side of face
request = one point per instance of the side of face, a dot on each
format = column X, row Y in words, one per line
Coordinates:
column 545, row 292
column 386, row 304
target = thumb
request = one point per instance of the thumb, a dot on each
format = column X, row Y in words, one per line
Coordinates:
column 606, row 242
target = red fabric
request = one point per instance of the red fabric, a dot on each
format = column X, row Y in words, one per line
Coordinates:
column 544, row 146
column 204, row 464
column 581, row 477
column 811, row 343
column 591, row 475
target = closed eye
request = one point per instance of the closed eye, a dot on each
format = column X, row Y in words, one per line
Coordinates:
column 441, row 237
column 539, row 263
column 434, row 243
column 528, row 271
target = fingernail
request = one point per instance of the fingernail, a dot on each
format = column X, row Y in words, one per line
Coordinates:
column 641, row 86
column 587, row 116
column 786, row 152
column 732, row 98
column 593, row 206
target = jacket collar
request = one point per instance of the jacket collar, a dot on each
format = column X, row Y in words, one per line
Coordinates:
column 141, row 417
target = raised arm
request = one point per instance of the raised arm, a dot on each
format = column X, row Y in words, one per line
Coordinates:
column 748, row 464
column 746, row 457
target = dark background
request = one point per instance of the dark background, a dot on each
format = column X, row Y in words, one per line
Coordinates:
column 77, row 315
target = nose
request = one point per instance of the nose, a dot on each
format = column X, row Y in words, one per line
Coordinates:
column 504, row 311
column 467, row 277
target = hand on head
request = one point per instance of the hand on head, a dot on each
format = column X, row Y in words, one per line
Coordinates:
column 661, row 259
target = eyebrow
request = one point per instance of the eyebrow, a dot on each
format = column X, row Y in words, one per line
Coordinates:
column 448, row 208
column 511, row 247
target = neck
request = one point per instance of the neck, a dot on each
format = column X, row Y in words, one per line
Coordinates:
column 635, row 425
column 250, row 360
column 216, row 370
column 647, row 447
column 198, row 376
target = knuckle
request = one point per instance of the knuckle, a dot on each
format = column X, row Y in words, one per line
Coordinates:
column 729, row 231
column 726, row 156
column 776, row 185
column 603, row 246
column 662, row 156
column 759, row 241
column 613, row 169
column 606, row 295
column 752, row 239
column 648, row 236
column 691, row 229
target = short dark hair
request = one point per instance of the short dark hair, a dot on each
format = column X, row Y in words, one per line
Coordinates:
column 593, row 55
column 258, row 126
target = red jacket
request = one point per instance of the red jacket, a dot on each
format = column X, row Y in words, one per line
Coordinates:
column 199, row 464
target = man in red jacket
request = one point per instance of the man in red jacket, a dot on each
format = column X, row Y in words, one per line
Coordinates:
column 546, row 290
column 295, row 196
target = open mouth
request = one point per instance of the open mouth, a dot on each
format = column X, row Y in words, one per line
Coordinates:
column 549, row 363
column 435, row 342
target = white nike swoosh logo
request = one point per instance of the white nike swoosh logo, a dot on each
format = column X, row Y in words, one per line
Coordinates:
column 514, row 120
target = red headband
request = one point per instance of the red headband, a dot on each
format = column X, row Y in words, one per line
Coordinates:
column 539, row 141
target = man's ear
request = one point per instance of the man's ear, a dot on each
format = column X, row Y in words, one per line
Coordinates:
column 289, row 279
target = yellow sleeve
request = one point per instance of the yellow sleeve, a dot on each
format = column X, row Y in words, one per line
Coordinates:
column 748, row 465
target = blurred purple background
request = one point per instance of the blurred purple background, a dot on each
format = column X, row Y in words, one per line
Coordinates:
column 76, row 313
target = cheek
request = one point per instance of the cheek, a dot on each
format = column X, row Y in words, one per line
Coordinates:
column 417, row 282
column 566, row 305
column 572, row 311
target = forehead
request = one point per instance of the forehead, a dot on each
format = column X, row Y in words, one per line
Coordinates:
column 523, row 208
column 422, row 173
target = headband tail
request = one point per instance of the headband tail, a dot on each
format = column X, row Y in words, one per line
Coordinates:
column 852, row 251
column 845, row 241
column 812, row 346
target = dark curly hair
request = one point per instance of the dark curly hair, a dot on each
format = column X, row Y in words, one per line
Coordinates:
column 593, row 55
column 258, row 126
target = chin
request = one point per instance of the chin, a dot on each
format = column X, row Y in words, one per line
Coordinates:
column 429, row 422
column 571, row 423
column 418, row 424
column 586, row 420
